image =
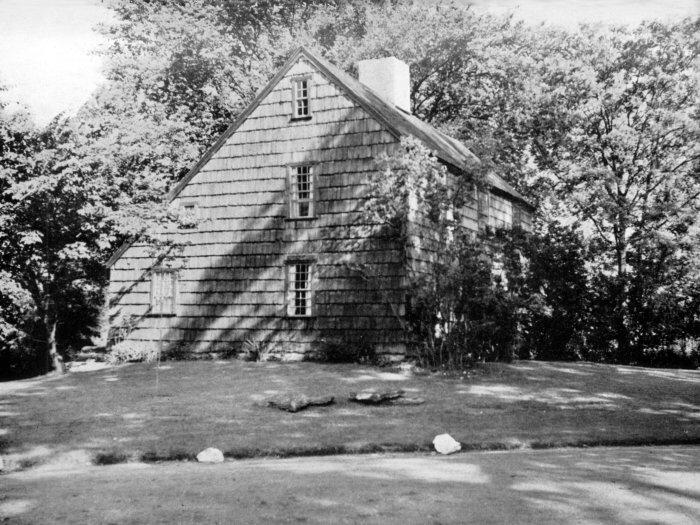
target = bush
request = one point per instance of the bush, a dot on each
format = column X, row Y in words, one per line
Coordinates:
column 131, row 352
column 19, row 358
column 459, row 313
column 346, row 351
column 553, row 290
column 253, row 350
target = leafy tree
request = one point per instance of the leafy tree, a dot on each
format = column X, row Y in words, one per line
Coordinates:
column 52, row 226
column 470, row 73
column 457, row 313
column 178, row 73
column 549, row 269
column 619, row 137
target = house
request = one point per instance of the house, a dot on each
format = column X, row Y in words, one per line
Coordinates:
column 273, row 256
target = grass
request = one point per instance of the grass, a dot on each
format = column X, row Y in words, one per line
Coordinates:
column 119, row 414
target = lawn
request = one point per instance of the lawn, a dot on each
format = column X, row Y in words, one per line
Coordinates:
column 124, row 413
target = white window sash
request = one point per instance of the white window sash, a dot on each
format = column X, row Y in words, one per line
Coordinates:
column 301, row 91
column 297, row 201
column 299, row 291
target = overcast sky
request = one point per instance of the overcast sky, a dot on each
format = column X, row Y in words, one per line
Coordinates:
column 46, row 46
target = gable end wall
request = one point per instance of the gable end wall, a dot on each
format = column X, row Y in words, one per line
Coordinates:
column 231, row 267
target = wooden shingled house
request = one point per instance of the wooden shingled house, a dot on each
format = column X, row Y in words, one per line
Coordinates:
column 272, row 256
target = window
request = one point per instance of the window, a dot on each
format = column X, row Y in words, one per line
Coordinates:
column 300, row 98
column 517, row 216
column 484, row 208
column 163, row 291
column 301, row 192
column 299, row 293
column 189, row 215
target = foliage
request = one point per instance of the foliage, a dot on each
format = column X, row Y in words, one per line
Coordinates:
column 253, row 350
column 599, row 127
column 620, row 149
column 346, row 351
column 50, row 228
column 131, row 352
column 554, row 291
column 472, row 75
column 458, row 314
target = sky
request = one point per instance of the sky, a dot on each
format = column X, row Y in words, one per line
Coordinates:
column 48, row 64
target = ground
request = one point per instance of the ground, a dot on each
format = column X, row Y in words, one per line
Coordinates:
column 136, row 412
column 601, row 485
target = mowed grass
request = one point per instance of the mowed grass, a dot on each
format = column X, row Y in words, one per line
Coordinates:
column 124, row 413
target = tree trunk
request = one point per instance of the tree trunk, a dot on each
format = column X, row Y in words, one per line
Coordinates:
column 53, row 359
column 621, row 332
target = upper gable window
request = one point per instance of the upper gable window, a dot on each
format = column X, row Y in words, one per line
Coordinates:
column 189, row 215
column 301, row 192
column 301, row 92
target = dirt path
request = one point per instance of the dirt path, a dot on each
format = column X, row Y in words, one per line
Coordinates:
column 605, row 485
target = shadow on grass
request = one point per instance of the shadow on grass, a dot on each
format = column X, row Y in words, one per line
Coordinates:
column 558, row 486
column 201, row 404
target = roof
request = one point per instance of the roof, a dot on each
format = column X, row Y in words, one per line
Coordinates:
column 402, row 123
column 398, row 122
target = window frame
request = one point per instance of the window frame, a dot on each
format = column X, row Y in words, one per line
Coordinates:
column 295, row 82
column 517, row 217
column 162, row 312
column 293, row 200
column 290, row 271
column 484, row 208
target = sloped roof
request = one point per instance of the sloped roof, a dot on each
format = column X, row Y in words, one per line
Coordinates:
column 398, row 122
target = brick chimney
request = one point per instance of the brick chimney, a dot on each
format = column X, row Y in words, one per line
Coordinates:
column 389, row 78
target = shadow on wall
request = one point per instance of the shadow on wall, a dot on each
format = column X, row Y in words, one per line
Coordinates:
column 357, row 297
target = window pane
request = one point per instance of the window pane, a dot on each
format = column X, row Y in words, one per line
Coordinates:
column 300, row 292
column 302, row 192
column 301, row 97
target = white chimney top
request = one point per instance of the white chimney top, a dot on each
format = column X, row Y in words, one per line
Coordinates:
column 389, row 78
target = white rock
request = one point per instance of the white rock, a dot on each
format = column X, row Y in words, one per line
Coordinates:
column 210, row 455
column 445, row 444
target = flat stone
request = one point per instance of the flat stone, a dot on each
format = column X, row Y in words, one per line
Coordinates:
column 373, row 397
column 210, row 455
column 297, row 402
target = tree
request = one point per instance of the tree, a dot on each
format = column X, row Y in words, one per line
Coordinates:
column 472, row 75
column 52, row 226
column 618, row 136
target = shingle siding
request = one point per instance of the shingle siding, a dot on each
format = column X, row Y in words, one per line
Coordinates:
column 232, row 265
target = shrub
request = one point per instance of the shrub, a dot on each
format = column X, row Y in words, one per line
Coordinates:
column 253, row 350
column 131, row 352
column 553, row 291
column 459, row 313
column 346, row 351
column 178, row 352
column 19, row 358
